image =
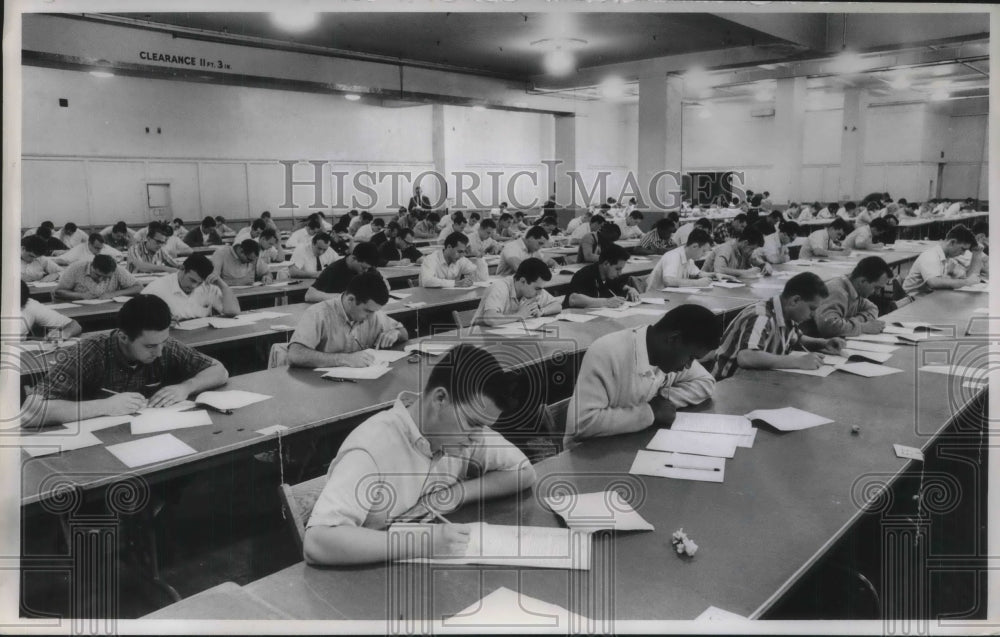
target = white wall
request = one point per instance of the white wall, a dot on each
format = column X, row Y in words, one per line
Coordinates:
column 606, row 149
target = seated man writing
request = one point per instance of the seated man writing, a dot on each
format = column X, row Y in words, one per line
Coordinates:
column 765, row 335
column 336, row 276
column 518, row 297
column 240, row 264
column 449, row 267
column 149, row 253
column 937, row 268
column 195, row 291
column 434, row 452
column 736, row 257
column 846, row 311
column 677, row 268
column 123, row 370
column 35, row 315
column 92, row 246
column 335, row 332
column 602, row 284
column 310, row 257
column 101, row 278
column 517, row 250
column 638, row 377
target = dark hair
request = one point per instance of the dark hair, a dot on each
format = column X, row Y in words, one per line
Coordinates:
column 369, row 286
column 321, row 236
column 532, row 269
column 790, row 228
column 314, row 223
column 981, row 227
column 402, row 209
column 455, row 238
column 635, row 214
column 47, row 224
column 94, row 237
column 704, row 222
column 879, row 224
column 487, row 224
column 752, row 236
column 250, row 246
column 674, row 216
column 200, row 264
column 475, row 216
column 34, row 244
column 258, row 224
column 25, row 294
column 871, row 268
column 265, row 215
column 315, row 217
column 662, row 224
column 506, row 216
column 962, row 235
column 268, row 233
column 433, row 217
column 806, row 285
column 613, row 253
column 458, row 217
column 392, row 225
column 467, row 373
column 850, row 205
column 740, row 218
column 44, row 232
column 833, row 206
column 208, row 222
column 366, row 217
column 596, row 218
column 609, row 232
column 352, row 212
column 698, row 237
column 104, row 263
column 763, row 226
column 536, row 232
column 404, row 232
column 378, row 222
column 179, row 220
column 842, row 224
column 145, row 312
column 220, row 218
column 366, row 252
column 696, row 325
column 69, row 227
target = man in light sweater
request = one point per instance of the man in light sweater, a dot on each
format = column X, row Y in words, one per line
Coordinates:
column 846, row 311
column 638, row 377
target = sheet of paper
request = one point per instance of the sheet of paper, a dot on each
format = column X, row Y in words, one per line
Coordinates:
column 647, row 311
column 822, row 371
column 596, row 511
column 535, row 546
column 976, row 287
column 916, row 325
column 60, row 306
column 575, row 318
column 682, row 290
column 415, row 304
column 722, row 424
column 913, row 339
column 356, row 373
column 155, row 420
column 229, row 399
column 866, row 346
column 482, row 284
column 908, row 453
column 728, row 284
column 92, row 301
column 714, row 613
column 902, row 330
column 788, row 418
column 400, row 295
column 678, row 466
column 192, row 324
column 506, row 608
column 872, row 338
column 868, row 370
column 281, row 327
column 855, row 354
column 830, row 359
column 262, row 316
column 765, row 284
column 535, row 323
column 278, row 284
column 121, row 299
column 695, row 443
column 43, row 285
column 386, row 356
column 973, row 373
column 38, row 445
column 137, row 453
column 96, row 424
column 653, row 300
column 433, row 348
column 221, row 322
column 273, row 429
column 608, row 312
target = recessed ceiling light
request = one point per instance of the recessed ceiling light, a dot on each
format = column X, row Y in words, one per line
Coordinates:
column 559, row 62
column 294, row 21
column 352, row 97
column 847, row 62
column 613, row 88
column 102, row 74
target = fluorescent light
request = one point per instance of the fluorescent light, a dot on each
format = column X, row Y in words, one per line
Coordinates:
column 102, row 74
column 294, row 21
column 559, row 62
column 848, row 62
column 479, row 108
column 352, row 97
column 613, row 88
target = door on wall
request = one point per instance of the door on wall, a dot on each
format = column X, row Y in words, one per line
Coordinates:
column 158, row 202
column 940, row 179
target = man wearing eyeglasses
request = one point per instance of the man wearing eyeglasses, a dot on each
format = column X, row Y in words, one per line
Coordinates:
column 400, row 250
column 149, row 255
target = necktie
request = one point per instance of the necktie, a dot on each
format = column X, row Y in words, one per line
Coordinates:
column 319, row 265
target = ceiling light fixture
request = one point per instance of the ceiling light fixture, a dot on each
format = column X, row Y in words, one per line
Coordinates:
column 846, row 62
column 479, row 108
column 613, row 88
column 900, row 82
column 102, row 74
column 559, row 59
column 295, row 21
column 352, row 97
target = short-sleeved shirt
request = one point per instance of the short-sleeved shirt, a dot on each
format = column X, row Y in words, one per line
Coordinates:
column 859, row 239
column 74, row 239
column 818, row 240
column 590, row 239
column 675, row 265
column 38, row 269
column 201, row 302
column 502, row 298
column 652, row 241
column 97, row 363
column 77, row 278
column 305, row 259
column 233, row 271
column 388, row 454
column 34, row 313
column 726, row 255
column 930, row 264
column 436, row 272
column 515, row 249
column 139, row 253
column 334, row 277
column 774, row 251
column 588, row 281
column 364, row 233
column 81, row 252
column 760, row 327
column 425, row 230
column 196, row 238
column 241, row 236
column 479, row 247
column 325, row 327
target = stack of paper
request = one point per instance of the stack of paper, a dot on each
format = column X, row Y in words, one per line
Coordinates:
column 597, row 511
column 788, row 418
column 356, row 373
column 154, row 420
column 678, row 466
column 531, row 546
column 229, row 399
column 738, row 427
column 149, row 450
column 506, row 608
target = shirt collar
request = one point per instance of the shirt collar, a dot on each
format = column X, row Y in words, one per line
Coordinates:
column 939, row 251
column 410, row 429
column 779, row 313
column 339, row 311
column 117, row 351
column 642, row 364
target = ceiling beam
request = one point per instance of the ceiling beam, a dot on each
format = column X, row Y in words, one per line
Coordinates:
column 808, row 30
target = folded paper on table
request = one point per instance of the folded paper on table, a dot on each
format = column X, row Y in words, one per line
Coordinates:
column 678, row 466
column 400, row 295
column 822, row 371
column 597, row 511
column 273, row 429
column 868, row 370
column 61, row 306
column 908, row 453
column 229, row 399
column 738, row 426
column 356, row 373
column 92, row 301
column 156, row 420
column 862, row 355
column 532, row 546
column 682, row 290
column 575, row 318
column 38, row 445
column 223, row 322
column 691, row 442
column 433, row 348
column 137, row 453
column 788, row 418
column 506, row 608
column 867, row 346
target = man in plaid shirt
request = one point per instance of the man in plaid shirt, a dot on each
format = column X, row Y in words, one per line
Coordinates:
column 727, row 231
column 122, row 371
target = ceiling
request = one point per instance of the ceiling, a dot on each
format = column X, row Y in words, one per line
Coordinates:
column 494, row 43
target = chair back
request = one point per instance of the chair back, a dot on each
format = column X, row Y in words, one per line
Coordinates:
column 278, row 356
column 297, row 503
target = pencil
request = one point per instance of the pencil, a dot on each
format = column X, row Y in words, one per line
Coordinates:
column 440, row 517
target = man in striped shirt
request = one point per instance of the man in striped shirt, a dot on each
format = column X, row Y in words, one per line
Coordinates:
column 764, row 335
column 148, row 255
column 657, row 240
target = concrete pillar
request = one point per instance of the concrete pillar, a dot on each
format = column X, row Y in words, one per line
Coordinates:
column 438, row 153
column 565, row 154
column 660, row 146
column 789, row 126
column 852, row 145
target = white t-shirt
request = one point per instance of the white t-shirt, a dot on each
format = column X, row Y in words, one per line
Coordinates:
column 201, row 302
column 34, row 313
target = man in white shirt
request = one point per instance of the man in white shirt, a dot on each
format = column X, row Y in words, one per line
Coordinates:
column 518, row 297
column 87, row 250
column 579, row 220
column 630, row 226
column 72, row 236
column 593, row 226
column 366, row 222
column 458, row 223
column 681, row 236
column 34, row 266
column 35, row 314
column 936, row 269
column 775, row 248
column 194, row 291
column 481, row 241
column 519, row 249
column 825, row 240
column 250, row 232
column 309, row 259
column 304, row 235
column 638, row 377
column 449, row 267
column 369, row 230
column 677, row 268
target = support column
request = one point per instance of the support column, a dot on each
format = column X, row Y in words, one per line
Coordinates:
column 852, row 145
column 565, row 154
column 660, row 144
column 438, row 155
column 789, row 127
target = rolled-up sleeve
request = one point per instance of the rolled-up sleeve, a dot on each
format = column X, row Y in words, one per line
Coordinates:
column 689, row 387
